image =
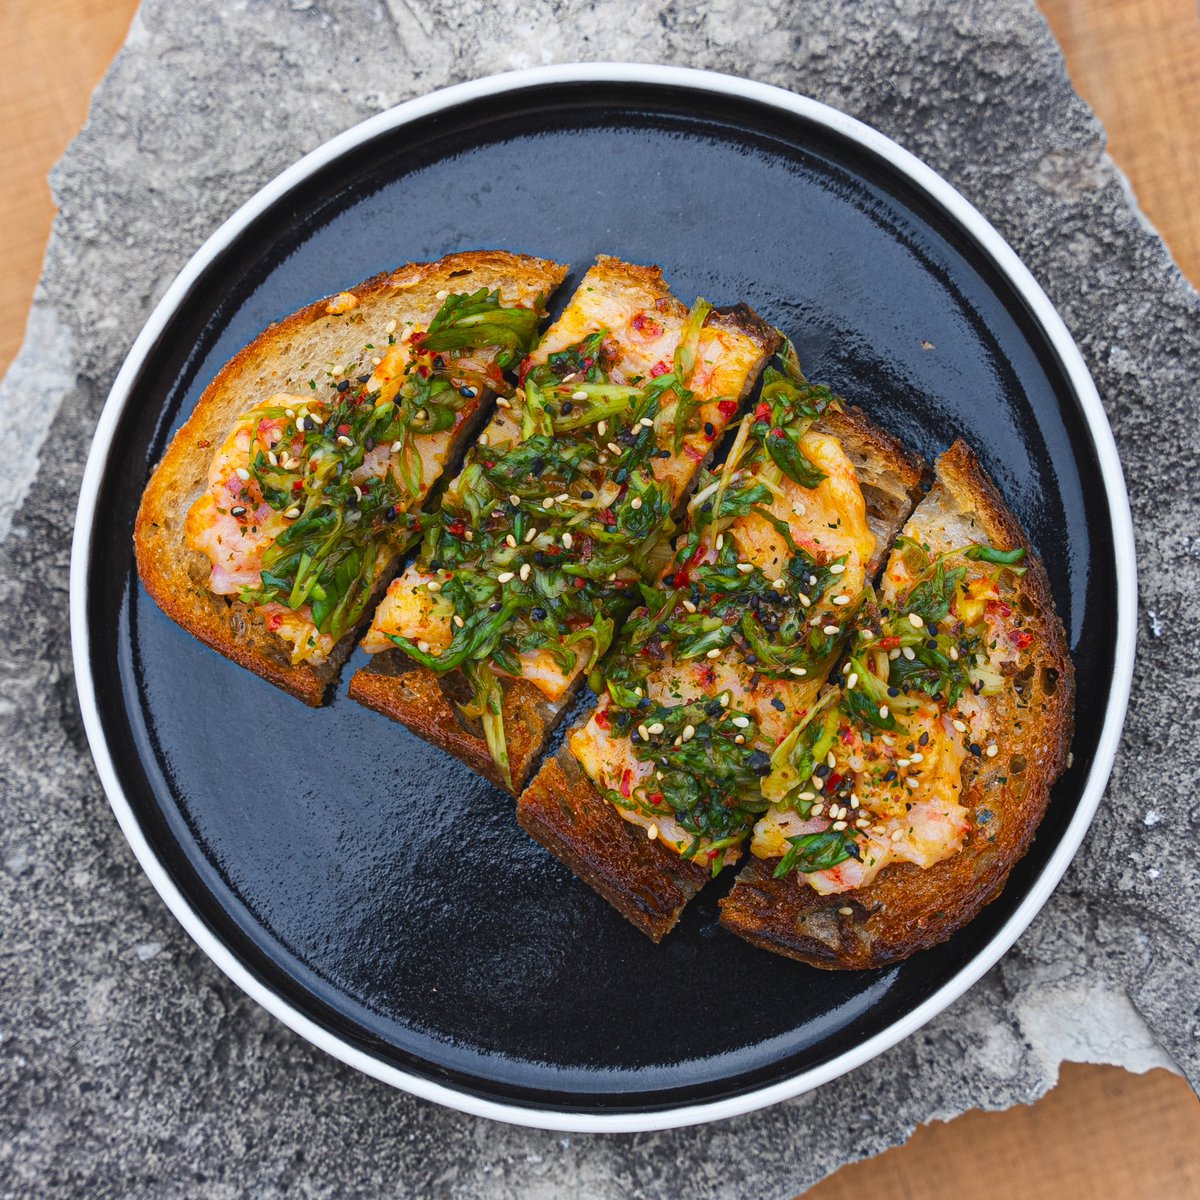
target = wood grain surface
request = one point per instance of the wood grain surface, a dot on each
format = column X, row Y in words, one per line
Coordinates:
column 1101, row 1132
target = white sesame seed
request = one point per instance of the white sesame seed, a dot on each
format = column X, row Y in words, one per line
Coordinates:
column 713, row 653
column 501, row 402
column 992, row 750
column 845, row 668
column 961, row 726
column 423, row 647
column 376, row 361
column 601, row 428
column 272, row 458
column 842, row 599
column 779, row 584
column 289, row 412
column 677, row 742
column 656, row 728
column 812, row 581
column 846, row 910
column 580, row 395
column 852, row 680
column 897, row 834
column 799, row 509
column 894, row 654
column 913, row 782
column 548, row 502
column 830, row 630
column 745, row 568
column 524, row 572
column 836, row 568
column 724, row 699
column 830, row 760
column 646, row 423
column 442, row 294
column 908, row 653
column 886, row 740
column 316, row 418
column 866, row 634
column 483, row 437
column 567, row 540
column 504, row 577
column 954, row 654
column 883, row 711
column 433, row 586
column 292, row 513
column 344, row 440
column 459, row 621
column 816, row 782
column 515, row 500
column 854, row 800
column 397, row 447
column 340, row 369
column 741, row 722
column 797, row 671
column 510, row 540
column 689, row 732
column 689, row 606
column 740, row 739
column 636, row 502
column 914, row 619
column 804, row 600
column 903, row 762
column 390, row 327
column 357, row 493
column 916, row 757
column 816, row 810
column 243, row 474
column 720, row 542
column 530, row 536
column 862, row 822
column 839, row 825
column 652, row 832
column 643, row 733
column 563, row 497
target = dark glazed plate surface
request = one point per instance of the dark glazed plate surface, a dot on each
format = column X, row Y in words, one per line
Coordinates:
column 379, row 887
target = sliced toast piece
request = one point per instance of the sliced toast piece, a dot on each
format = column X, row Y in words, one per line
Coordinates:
column 949, row 799
column 207, row 528
column 599, row 804
column 601, row 418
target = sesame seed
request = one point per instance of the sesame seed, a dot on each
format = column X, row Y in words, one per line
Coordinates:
column 272, row 458
column 740, row 739
column 459, row 621
column 914, row 619
column 804, row 600
column 836, row 568
column 238, row 510
column 504, row 577
column 830, row 760
column 866, row 634
column 656, row 728
column 817, row 782
column 897, row 834
column 390, row 327
column 292, row 513
column 720, row 541
column 817, row 809
column 525, row 569
column 779, row 584
column 852, row 680
column 916, row 757
column 689, row 732
column 797, row 671
column 511, row 541
column 442, row 294
column 243, row 474
column 903, row 762
column 689, row 606
column 433, row 586
column 483, row 437
column 567, row 540
column 376, row 361
column 830, row 630
column 652, row 832
column 992, row 750
column 636, row 502
column 613, row 447
column 839, row 825
column 954, row 654
column 548, row 502
column 423, row 647
column 502, row 403
column 643, row 733
column 530, row 536
column 344, row 440
column 515, row 500
column 961, row 726
column 315, row 418
column 799, row 509
column 713, row 653
column 741, row 722
column 854, row 800
column 339, row 369
column 397, row 447
column 601, row 427
column 842, row 599
column 883, row 711
column 724, row 699
column 646, row 423
column 862, row 822
column 563, row 497
column 846, row 910
column 908, row 652
column 357, row 493
column 580, row 395
column 745, row 568
column 913, row 782
column 289, row 412
column 808, row 795
column 893, row 654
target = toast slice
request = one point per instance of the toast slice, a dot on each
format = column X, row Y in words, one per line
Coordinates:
column 560, row 511
column 657, row 790
column 947, row 731
column 307, row 454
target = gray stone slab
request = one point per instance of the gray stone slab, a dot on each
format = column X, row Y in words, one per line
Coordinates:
column 128, row 1065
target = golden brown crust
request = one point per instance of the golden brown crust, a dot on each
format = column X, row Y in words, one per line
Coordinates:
column 906, row 908
column 177, row 576
column 421, row 700
column 646, row 882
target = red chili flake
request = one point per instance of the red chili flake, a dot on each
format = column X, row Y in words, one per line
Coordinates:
column 578, row 582
column 423, row 371
column 457, row 528
column 887, row 643
column 656, row 798
column 417, row 340
column 777, row 433
column 626, row 782
column 762, row 412
column 694, row 454
column 343, row 429
column 682, row 578
column 578, row 621
column 833, row 780
column 489, row 465
column 847, row 735
column 608, row 516
column 601, row 718
column 713, row 854
column 659, row 368
column 998, row 607
column 274, row 621
column 708, row 676
column 646, row 325
column 297, row 485
column 727, row 408
column 1020, row 638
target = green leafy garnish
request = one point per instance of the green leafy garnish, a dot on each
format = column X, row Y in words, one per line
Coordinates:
column 816, row 852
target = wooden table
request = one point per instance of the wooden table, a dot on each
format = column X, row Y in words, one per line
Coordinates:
column 1101, row 1132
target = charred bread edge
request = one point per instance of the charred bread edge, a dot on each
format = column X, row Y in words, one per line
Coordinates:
column 905, row 908
column 424, row 702
column 163, row 568
column 563, row 810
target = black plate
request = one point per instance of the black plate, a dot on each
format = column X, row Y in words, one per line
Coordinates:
column 379, row 887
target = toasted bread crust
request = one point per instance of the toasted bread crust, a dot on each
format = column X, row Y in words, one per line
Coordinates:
column 563, row 810
column 906, row 908
column 641, row 879
column 177, row 576
column 425, row 702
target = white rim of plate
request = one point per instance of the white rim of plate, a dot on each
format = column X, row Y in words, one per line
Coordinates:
column 1043, row 312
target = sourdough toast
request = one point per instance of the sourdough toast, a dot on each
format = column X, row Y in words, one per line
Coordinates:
column 628, row 861
column 323, row 348
column 1005, row 782
column 643, row 325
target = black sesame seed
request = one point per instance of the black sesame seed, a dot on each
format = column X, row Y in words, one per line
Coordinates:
column 369, row 445
column 778, row 705
column 238, row 510
column 468, row 392
column 644, row 702
column 709, row 428
column 495, row 608
column 587, row 495
column 889, row 776
column 751, row 659
column 567, row 408
column 923, row 740
column 974, row 748
column 893, row 691
column 821, row 770
column 364, row 379
column 715, row 709
column 391, row 514
column 538, row 614
column 621, row 476
column 303, row 425
column 760, row 762
column 344, row 385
